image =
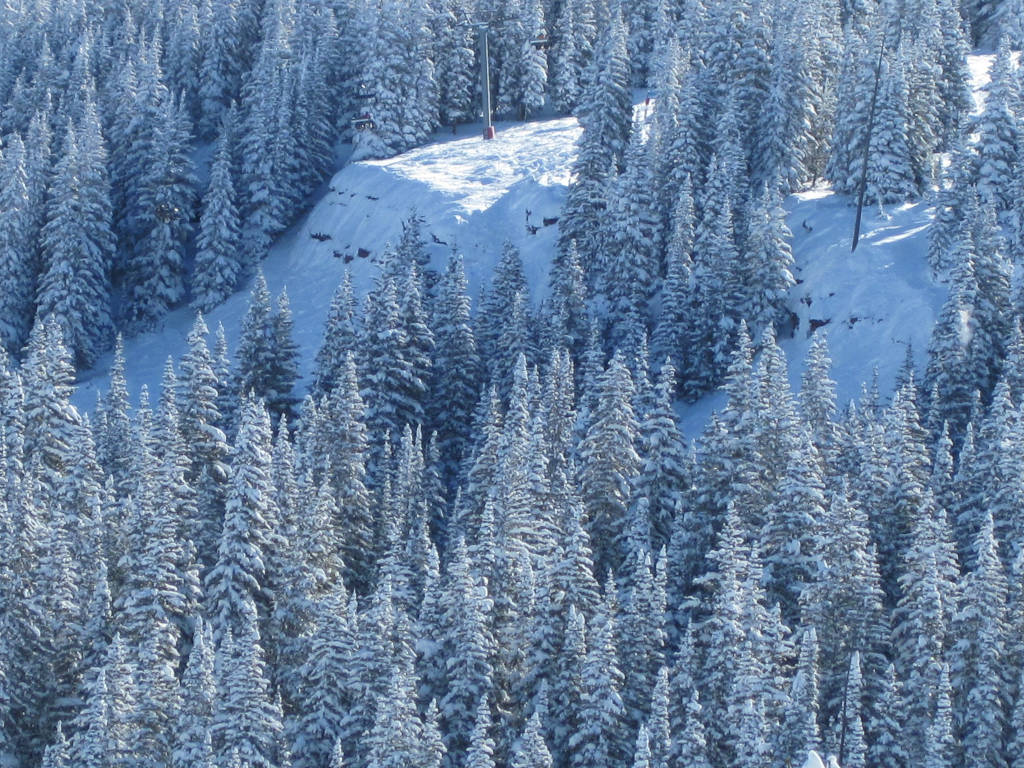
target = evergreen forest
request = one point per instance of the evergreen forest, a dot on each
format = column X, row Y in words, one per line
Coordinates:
column 477, row 536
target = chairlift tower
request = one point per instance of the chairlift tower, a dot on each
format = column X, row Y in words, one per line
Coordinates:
column 483, row 26
column 485, row 82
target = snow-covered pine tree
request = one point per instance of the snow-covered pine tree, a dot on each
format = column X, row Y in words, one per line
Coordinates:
column 890, row 172
column 993, row 484
column 58, row 753
column 93, row 744
column 532, row 63
column 853, row 98
column 605, row 112
column 17, row 248
column 454, row 62
column 954, row 83
column 455, row 371
column 161, row 222
column 239, row 574
column 948, row 369
column 217, row 260
column 78, row 244
column 504, row 317
column 600, row 739
column 324, row 680
column 339, row 339
column 480, row 753
column 630, row 268
column 799, row 731
column 720, row 284
column 401, row 80
column 391, row 389
column 194, row 718
column 999, row 132
column 263, row 175
column 418, row 343
column 396, row 737
column 114, row 441
column 977, row 665
column 266, row 362
column 884, row 724
column 469, row 647
column 609, row 465
column 247, row 720
column 846, row 601
column 200, row 393
column 790, row 538
column 921, row 621
column 221, row 67
column 666, row 475
column 769, row 258
column 940, row 741
column 532, row 752
column 671, row 331
column 564, row 71
column 51, row 423
column 284, row 370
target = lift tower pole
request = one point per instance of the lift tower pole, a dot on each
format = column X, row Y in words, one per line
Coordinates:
column 485, row 82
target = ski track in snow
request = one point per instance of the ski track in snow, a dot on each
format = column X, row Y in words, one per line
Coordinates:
column 473, row 196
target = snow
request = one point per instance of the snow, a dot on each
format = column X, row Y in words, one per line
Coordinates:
column 474, row 195
column 814, row 760
column 979, row 65
column 870, row 304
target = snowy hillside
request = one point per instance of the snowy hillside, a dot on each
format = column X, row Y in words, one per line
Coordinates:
column 870, row 304
column 458, row 513
column 474, row 195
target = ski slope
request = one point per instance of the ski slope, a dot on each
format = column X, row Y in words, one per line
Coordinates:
column 474, row 195
column 871, row 304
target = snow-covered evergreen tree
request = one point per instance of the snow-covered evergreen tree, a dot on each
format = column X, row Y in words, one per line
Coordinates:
column 400, row 76
column 605, row 112
column 17, row 249
column 610, row 464
column 999, row 132
column 239, row 576
column 890, row 174
column 247, row 720
column 600, row 739
column 194, row 719
column 217, row 263
column 78, row 244
column 339, row 338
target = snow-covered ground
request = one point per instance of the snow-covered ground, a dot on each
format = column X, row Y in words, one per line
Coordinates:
column 871, row 304
column 979, row 66
column 474, row 195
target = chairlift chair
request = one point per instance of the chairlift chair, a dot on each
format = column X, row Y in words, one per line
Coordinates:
column 363, row 123
column 167, row 213
column 541, row 41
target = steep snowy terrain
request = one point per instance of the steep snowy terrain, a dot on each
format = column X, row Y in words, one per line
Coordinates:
column 473, row 195
column 871, row 304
